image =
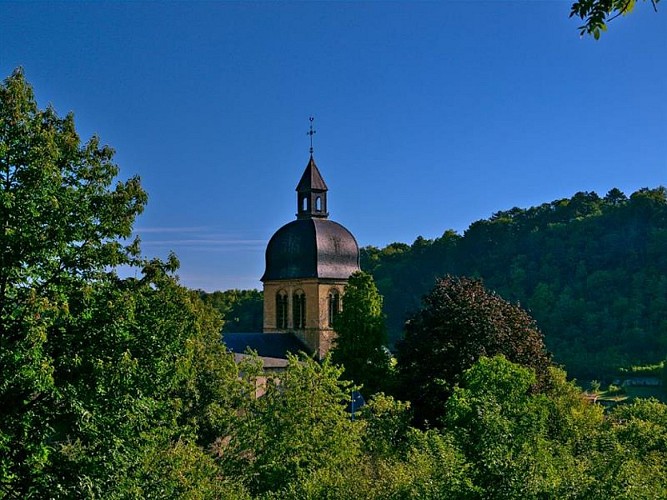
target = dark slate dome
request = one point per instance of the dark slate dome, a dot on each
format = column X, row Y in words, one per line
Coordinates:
column 311, row 248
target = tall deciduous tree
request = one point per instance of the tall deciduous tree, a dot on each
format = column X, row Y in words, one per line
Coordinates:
column 96, row 372
column 460, row 322
column 361, row 334
column 61, row 222
column 140, row 372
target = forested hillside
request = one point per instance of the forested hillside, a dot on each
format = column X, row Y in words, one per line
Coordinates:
column 591, row 270
column 241, row 309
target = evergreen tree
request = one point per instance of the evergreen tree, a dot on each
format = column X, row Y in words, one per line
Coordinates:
column 361, row 334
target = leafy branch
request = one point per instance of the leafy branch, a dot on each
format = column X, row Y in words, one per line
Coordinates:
column 596, row 14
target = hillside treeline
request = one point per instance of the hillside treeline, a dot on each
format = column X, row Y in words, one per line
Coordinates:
column 242, row 309
column 592, row 270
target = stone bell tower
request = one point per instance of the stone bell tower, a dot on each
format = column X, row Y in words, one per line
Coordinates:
column 308, row 263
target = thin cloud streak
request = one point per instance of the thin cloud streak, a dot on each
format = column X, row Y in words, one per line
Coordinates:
column 204, row 242
column 218, row 249
column 158, row 230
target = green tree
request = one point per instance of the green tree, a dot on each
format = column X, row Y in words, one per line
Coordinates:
column 433, row 467
column 97, row 372
column 597, row 13
column 460, row 322
column 296, row 430
column 178, row 469
column 397, row 461
column 387, row 424
column 142, row 374
column 505, row 432
column 62, row 223
column 361, row 334
column 629, row 458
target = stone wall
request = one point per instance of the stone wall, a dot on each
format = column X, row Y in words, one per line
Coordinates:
column 317, row 335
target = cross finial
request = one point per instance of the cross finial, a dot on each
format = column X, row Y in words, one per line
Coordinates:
column 311, row 133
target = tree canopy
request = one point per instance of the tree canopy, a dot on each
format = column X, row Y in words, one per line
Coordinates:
column 98, row 372
column 591, row 270
column 241, row 310
column 361, row 334
column 118, row 387
column 460, row 323
column 61, row 224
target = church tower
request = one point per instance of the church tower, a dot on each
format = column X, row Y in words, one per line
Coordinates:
column 308, row 263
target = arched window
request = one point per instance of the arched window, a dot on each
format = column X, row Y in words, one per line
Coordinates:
column 318, row 204
column 299, row 309
column 304, row 204
column 281, row 310
column 334, row 305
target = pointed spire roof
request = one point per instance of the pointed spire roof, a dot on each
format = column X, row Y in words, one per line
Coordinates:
column 311, row 180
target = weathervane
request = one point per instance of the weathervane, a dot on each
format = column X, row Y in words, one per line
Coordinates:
column 311, row 133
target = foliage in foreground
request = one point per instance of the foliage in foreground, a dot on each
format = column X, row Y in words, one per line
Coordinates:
column 596, row 14
column 98, row 373
column 499, row 439
column 120, row 388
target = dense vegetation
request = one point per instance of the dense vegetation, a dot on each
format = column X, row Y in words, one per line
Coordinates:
column 361, row 335
column 242, row 309
column 117, row 387
column 459, row 323
column 109, row 387
column 591, row 270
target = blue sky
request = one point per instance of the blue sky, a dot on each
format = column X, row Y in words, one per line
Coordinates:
column 429, row 115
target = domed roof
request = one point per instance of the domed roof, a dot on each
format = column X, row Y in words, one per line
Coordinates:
column 311, row 248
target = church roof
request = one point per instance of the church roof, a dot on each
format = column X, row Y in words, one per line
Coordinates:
column 311, row 180
column 311, row 248
column 267, row 345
